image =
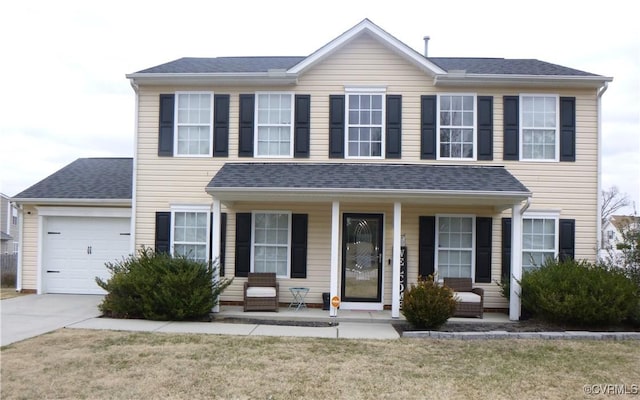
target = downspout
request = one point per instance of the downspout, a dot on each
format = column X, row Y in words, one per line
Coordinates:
column 526, row 206
column 20, row 247
column 599, row 172
column 132, row 244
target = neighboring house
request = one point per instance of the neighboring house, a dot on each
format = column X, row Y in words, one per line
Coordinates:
column 612, row 232
column 9, row 236
column 325, row 169
column 75, row 221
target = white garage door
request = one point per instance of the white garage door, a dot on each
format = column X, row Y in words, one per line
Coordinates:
column 76, row 249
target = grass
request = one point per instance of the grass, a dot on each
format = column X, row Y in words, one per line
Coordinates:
column 81, row 364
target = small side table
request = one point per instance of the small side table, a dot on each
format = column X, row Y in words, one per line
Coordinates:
column 299, row 294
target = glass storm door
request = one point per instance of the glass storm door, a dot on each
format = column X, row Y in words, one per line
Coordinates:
column 362, row 258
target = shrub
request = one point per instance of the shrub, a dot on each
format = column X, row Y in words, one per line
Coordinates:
column 579, row 293
column 427, row 305
column 159, row 286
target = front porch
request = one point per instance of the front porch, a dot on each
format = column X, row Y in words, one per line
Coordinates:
column 319, row 315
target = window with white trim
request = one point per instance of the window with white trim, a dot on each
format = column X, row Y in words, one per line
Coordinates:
column 455, row 240
column 14, row 216
column 365, row 127
column 271, row 242
column 274, row 125
column 194, row 127
column 190, row 233
column 16, row 247
column 539, row 239
column 457, row 126
column 539, row 138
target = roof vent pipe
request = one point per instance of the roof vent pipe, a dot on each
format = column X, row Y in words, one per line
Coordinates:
column 426, row 46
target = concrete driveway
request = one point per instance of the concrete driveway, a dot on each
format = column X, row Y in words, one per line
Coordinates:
column 24, row 317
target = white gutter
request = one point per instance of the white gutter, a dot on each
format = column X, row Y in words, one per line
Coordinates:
column 132, row 237
column 73, row 202
column 276, row 77
column 526, row 206
column 599, row 171
column 463, row 78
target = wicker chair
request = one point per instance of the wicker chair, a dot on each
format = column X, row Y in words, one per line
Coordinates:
column 470, row 299
column 261, row 292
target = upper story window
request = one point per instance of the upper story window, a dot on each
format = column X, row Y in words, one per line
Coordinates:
column 457, row 126
column 274, row 127
column 365, row 128
column 194, row 128
column 539, row 133
column 14, row 216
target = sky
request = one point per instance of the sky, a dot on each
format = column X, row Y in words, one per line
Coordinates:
column 64, row 94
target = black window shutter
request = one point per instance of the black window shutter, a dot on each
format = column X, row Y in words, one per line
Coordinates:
column 302, row 126
column 221, row 125
column 483, row 249
column 394, row 126
column 485, row 127
column 426, row 246
column 336, row 126
column 223, row 241
column 428, row 119
column 243, row 244
column 567, row 233
column 165, row 134
column 567, row 128
column 163, row 232
column 511, row 121
column 299, row 226
column 506, row 248
column 247, row 115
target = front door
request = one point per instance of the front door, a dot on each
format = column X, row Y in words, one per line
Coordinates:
column 362, row 258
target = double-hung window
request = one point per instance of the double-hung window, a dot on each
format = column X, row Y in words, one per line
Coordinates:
column 365, row 124
column 274, row 127
column 455, row 239
column 190, row 233
column 539, row 239
column 271, row 242
column 194, row 127
column 457, row 126
column 539, row 133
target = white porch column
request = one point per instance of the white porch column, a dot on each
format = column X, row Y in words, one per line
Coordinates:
column 215, row 243
column 395, row 281
column 335, row 253
column 516, row 261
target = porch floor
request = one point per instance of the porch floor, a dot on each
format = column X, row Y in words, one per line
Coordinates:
column 319, row 315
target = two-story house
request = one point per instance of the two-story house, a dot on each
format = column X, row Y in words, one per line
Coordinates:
column 9, row 236
column 338, row 169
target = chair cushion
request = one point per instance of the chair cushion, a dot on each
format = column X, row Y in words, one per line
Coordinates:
column 261, row 291
column 467, row 297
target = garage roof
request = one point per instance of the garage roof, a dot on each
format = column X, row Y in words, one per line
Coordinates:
column 84, row 179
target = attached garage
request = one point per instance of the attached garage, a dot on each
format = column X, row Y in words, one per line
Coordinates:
column 75, row 250
column 72, row 223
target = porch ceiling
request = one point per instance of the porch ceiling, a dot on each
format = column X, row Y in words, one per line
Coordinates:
column 366, row 182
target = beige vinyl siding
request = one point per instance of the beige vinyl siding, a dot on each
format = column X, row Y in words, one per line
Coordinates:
column 30, row 248
column 566, row 187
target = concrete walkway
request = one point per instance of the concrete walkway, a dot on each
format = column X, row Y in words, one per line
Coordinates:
column 27, row 316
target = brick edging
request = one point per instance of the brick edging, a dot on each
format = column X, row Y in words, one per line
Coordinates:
column 568, row 335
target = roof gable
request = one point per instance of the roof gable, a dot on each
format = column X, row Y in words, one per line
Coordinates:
column 366, row 26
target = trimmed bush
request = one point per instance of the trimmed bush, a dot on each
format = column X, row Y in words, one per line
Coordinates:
column 158, row 286
column 427, row 305
column 579, row 293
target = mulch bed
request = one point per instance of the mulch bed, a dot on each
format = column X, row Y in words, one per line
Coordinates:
column 530, row 325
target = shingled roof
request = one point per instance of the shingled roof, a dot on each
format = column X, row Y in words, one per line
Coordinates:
column 361, row 176
column 86, row 179
column 490, row 66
